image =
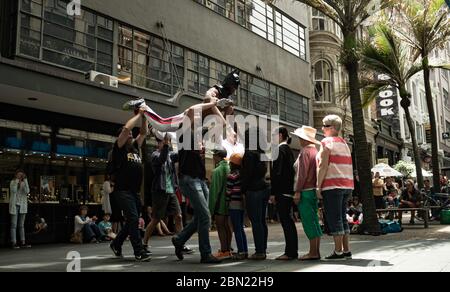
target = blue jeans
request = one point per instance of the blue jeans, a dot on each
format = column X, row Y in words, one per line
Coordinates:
column 335, row 205
column 130, row 204
column 257, row 202
column 91, row 231
column 197, row 192
column 237, row 220
column 17, row 221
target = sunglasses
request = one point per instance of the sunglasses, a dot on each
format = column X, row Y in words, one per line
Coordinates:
column 327, row 126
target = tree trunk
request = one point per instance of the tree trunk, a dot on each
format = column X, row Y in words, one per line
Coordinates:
column 432, row 115
column 362, row 151
column 412, row 131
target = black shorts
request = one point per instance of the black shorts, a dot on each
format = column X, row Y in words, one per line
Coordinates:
column 164, row 205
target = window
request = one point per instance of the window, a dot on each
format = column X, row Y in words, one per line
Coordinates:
column 446, row 101
column 407, row 132
column 264, row 20
column 83, row 42
column 318, row 20
column 150, row 62
column 198, row 73
column 419, row 133
column 289, row 35
column 264, row 97
column 322, row 81
column 223, row 7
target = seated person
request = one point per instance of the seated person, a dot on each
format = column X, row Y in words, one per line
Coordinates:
column 392, row 199
column 410, row 198
column 85, row 225
column 355, row 210
column 106, row 227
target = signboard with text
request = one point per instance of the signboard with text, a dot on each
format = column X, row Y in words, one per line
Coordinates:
column 387, row 105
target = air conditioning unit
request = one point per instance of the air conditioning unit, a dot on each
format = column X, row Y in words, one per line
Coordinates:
column 103, row 79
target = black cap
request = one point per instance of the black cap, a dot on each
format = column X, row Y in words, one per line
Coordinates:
column 229, row 84
column 220, row 152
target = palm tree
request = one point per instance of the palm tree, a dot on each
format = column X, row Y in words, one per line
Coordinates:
column 428, row 24
column 349, row 16
column 384, row 54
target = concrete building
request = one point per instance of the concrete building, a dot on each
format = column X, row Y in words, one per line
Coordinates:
column 59, row 126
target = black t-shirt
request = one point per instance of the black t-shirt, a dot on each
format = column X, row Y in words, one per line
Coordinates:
column 128, row 176
column 191, row 162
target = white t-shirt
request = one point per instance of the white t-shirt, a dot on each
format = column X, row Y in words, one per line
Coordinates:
column 231, row 149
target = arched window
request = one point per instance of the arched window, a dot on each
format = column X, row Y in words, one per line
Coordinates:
column 322, row 81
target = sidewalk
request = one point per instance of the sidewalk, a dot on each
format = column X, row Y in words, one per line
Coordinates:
column 415, row 249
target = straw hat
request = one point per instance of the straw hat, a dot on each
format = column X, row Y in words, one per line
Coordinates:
column 306, row 133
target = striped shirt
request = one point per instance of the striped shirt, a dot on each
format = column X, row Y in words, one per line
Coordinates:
column 340, row 167
column 234, row 194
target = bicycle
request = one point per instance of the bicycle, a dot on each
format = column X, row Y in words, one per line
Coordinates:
column 436, row 203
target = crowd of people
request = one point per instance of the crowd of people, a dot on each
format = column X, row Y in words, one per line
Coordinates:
column 238, row 187
column 322, row 173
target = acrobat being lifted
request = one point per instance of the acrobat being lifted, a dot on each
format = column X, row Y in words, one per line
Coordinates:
column 215, row 98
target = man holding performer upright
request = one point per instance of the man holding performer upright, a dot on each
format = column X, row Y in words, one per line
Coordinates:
column 128, row 171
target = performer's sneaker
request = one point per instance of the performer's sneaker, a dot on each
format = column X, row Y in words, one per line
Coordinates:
column 224, row 102
column 133, row 104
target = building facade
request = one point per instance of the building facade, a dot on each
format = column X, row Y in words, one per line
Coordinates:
column 59, row 126
column 330, row 79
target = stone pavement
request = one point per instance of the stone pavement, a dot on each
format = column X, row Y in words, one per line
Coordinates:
column 415, row 249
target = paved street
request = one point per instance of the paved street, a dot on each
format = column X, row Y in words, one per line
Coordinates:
column 416, row 249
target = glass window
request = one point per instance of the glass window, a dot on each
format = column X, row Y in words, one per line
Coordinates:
column 223, row 7
column 446, row 101
column 264, row 20
column 83, row 42
column 323, row 81
column 149, row 61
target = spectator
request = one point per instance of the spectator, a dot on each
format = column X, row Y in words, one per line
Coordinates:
column 256, row 191
column 305, row 190
column 355, row 209
column 282, row 179
column 378, row 186
column 335, row 185
column 390, row 186
column 106, row 191
column 91, row 233
column 235, row 199
column 410, row 198
column 217, row 203
column 444, row 185
column 18, row 208
column 106, row 227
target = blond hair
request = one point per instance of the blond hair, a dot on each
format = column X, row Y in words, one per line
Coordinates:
column 333, row 120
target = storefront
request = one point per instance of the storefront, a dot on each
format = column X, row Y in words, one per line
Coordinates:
column 65, row 167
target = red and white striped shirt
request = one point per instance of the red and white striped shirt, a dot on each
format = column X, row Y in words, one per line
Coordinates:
column 340, row 166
